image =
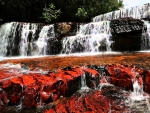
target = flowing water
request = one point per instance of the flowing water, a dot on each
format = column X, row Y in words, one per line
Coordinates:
column 25, row 39
column 138, row 12
column 92, row 37
column 31, row 39
column 145, row 41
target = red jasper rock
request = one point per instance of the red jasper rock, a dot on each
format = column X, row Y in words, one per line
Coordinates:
column 67, row 81
column 124, row 76
column 92, row 77
column 13, row 89
column 6, row 83
column 51, row 111
column 30, row 96
column 89, row 103
column 40, row 89
column 28, row 80
column 15, row 94
column 93, row 72
column 75, row 72
column 48, row 87
column 3, row 99
column 17, row 81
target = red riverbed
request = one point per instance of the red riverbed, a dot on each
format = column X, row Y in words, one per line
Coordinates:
column 141, row 60
column 63, row 78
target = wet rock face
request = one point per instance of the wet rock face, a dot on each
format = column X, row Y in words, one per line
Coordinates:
column 82, row 104
column 124, row 76
column 125, row 25
column 130, row 41
column 33, row 89
column 54, row 47
column 65, row 29
column 127, row 34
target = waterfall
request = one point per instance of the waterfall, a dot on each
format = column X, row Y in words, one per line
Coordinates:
column 33, row 39
column 145, row 41
column 27, row 35
column 25, row 39
column 6, row 34
column 138, row 12
column 92, row 37
column 46, row 33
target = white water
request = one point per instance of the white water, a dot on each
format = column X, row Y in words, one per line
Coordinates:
column 38, row 47
column 145, row 41
column 5, row 32
column 90, row 54
column 83, row 83
column 19, row 69
column 92, row 37
column 94, row 28
column 137, row 94
column 138, row 100
column 24, row 39
column 43, row 39
column 24, row 44
column 137, row 12
column 65, row 55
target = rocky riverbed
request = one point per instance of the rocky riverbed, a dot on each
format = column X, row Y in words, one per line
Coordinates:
column 71, row 83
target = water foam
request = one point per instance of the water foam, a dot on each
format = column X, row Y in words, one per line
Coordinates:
column 25, row 39
column 92, row 37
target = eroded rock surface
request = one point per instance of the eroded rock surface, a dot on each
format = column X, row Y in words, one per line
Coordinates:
column 40, row 88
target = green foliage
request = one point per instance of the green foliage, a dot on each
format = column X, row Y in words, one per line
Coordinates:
column 97, row 7
column 69, row 10
column 50, row 13
column 82, row 13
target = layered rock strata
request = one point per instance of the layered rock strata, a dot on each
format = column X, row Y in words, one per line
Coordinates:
column 39, row 88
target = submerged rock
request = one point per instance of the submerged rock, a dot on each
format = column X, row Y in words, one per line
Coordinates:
column 37, row 89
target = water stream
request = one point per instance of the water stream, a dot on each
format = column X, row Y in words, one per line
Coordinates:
column 25, row 39
column 31, row 39
column 92, row 37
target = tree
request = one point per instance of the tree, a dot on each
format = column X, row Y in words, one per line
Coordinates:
column 87, row 10
column 82, row 13
column 55, row 10
column 50, row 13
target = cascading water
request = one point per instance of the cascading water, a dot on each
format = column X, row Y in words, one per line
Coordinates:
column 25, row 39
column 29, row 39
column 6, row 34
column 92, row 37
column 138, row 99
column 83, row 82
column 28, row 33
column 46, row 33
column 145, row 41
column 138, row 12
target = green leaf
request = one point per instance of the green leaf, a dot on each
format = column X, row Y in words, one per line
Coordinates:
column 50, row 13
